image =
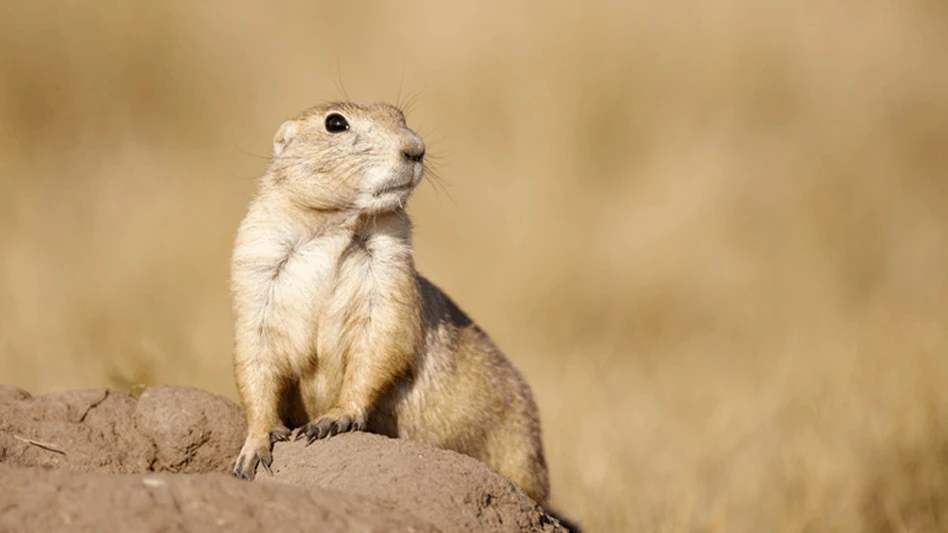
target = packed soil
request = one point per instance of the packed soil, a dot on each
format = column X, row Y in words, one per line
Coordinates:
column 100, row 460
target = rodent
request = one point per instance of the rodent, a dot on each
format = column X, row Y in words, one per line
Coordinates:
column 336, row 331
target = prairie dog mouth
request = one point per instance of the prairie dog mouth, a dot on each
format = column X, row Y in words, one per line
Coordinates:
column 393, row 188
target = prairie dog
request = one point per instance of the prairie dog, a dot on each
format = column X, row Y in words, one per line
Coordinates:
column 336, row 331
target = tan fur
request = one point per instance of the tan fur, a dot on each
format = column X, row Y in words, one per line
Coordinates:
column 335, row 330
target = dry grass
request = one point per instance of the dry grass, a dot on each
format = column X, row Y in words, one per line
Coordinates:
column 713, row 235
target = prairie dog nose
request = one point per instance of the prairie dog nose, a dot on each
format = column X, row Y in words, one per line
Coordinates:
column 413, row 148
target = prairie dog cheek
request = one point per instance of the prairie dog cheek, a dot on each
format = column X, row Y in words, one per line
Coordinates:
column 375, row 178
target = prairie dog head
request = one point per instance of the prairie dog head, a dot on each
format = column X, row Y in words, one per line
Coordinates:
column 347, row 156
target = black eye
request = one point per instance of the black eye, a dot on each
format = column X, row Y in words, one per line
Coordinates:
column 336, row 123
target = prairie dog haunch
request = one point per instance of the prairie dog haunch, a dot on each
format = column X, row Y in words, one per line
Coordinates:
column 336, row 331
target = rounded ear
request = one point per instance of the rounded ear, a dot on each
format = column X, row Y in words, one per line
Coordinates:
column 284, row 136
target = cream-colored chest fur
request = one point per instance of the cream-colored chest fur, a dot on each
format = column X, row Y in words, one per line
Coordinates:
column 281, row 277
column 305, row 300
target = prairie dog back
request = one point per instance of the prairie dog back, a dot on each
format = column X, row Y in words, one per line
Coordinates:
column 334, row 328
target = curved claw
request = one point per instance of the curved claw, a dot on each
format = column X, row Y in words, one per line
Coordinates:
column 246, row 465
column 280, row 435
column 329, row 425
column 266, row 462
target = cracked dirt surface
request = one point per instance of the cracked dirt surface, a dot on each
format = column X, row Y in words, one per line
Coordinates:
column 170, row 428
column 42, row 499
column 192, row 430
column 100, row 460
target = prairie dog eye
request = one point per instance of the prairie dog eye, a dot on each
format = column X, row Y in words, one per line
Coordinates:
column 336, row 123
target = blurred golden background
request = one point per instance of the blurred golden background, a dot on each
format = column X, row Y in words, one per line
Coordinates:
column 713, row 235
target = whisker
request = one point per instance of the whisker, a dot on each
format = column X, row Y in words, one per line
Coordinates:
column 398, row 95
column 438, row 183
column 236, row 176
column 412, row 100
column 341, row 87
column 251, row 154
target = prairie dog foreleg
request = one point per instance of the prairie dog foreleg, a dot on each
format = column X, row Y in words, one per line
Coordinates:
column 259, row 383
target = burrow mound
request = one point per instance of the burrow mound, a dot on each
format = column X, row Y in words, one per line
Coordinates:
column 449, row 490
column 174, row 429
column 87, row 460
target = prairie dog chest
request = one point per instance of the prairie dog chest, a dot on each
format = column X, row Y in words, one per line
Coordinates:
column 372, row 271
column 307, row 275
column 281, row 281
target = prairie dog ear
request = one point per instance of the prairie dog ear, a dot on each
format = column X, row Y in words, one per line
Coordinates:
column 284, row 136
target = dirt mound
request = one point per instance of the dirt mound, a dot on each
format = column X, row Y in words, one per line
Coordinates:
column 452, row 491
column 86, row 460
column 192, row 430
column 41, row 499
column 176, row 429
